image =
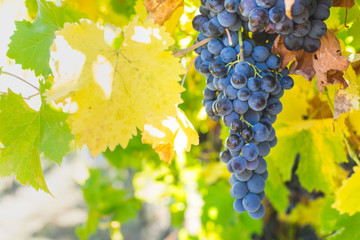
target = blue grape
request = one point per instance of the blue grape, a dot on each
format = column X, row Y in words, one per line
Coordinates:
column 261, row 132
column 277, row 15
column 234, row 142
column 248, row 48
column 216, row 5
column 273, row 106
column 231, row 5
column 258, row 214
column 253, row 84
column 311, row 45
column 246, row 6
column 251, row 202
column 238, row 164
column 261, row 66
column 273, row 142
column 250, row 60
column 256, row 184
column 214, row 27
column 239, row 190
column 206, row 55
column 227, row 19
column 265, row 175
column 250, row 151
column 268, row 83
column 225, row 156
column 260, row 54
column 322, row 12
column 247, row 134
column 234, row 39
column 286, row 82
column 233, row 179
column 228, row 54
column 237, row 126
column 252, row 165
column 215, row 46
column 252, row 116
column 292, row 43
column 273, row 62
column 302, row 17
column 244, row 175
column 198, row 21
column 238, row 206
column 264, row 149
column 228, row 119
column 223, row 106
column 224, row 82
column 257, row 101
column 262, row 166
column 238, row 80
column 240, row 107
column 237, row 26
column 245, row 69
column 258, row 18
column 231, row 92
column 243, row 94
column 210, row 83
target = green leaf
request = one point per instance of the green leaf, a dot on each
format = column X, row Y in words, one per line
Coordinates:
column 275, row 189
column 31, row 42
column 90, row 227
column 32, row 7
column 25, row 133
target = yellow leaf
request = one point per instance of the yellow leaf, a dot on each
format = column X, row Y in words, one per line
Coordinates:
column 115, row 92
column 174, row 20
column 171, row 134
column 347, row 196
column 140, row 10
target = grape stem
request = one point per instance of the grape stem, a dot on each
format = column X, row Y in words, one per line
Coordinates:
column 241, row 44
column 243, row 119
column 229, row 36
column 19, row 78
column 183, row 52
column 187, row 70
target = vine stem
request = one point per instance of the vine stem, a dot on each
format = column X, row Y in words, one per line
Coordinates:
column 187, row 70
column 183, row 52
column 241, row 44
column 351, row 152
column 19, row 78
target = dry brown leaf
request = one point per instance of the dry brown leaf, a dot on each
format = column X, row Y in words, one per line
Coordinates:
column 161, row 10
column 343, row 3
column 328, row 62
column 288, row 5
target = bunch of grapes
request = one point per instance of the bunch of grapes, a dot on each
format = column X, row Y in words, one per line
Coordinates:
column 243, row 88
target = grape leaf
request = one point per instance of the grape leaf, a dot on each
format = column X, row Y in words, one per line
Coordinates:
column 347, row 196
column 30, row 43
column 160, row 10
column 326, row 62
column 25, row 133
column 171, row 134
column 117, row 91
column 343, row 3
column 32, row 7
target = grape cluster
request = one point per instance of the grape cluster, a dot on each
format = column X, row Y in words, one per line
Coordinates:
column 243, row 88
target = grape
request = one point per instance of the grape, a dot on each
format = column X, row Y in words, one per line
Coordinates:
column 225, row 156
column 250, row 151
column 277, row 15
column 271, row 135
column 260, row 54
column 265, row 175
column 298, row 7
column 259, row 17
column 327, row 3
column 203, row 12
column 261, row 167
column 233, row 179
column 208, row 109
column 224, row 82
column 215, row 46
column 252, row 116
column 238, row 80
column 268, row 83
column 252, row 165
column 302, row 17
column 322, row 12
column 238, row 164
column 231, row 92
column 250, row 60
column 238, row 206
column 234, row 39
column 237, row 126
column 245, row 69
column 286, row 82
column 216, row 5
column 301, row 30
column 205, row 3
column 266, row 3
column 204, row 68
column 228, row 119
column 229, row 167
column 247, row 134
column 198, row 21
column 215, row 28
column 210, row 83
column 244, row 175
column 217, row 68
column 273, row 62
column 251, row 202
column 258, row 214
column 243, row 94
column 311, row 45
column 256, row 184
column 273, row 142
column 246, row 6
column 237, row 25
column 261, row 66
column 293, row 43
column 234, row 142
column 206, row 55
column 261, row 132
column 264, row 149
column 227, row 19
column 262, row 194
column 273, row 106
column 240, row 107
column 253, row 84
column 238, row 190
column 231, row 5
column 257, row 101
column 248, row 48
column 285, row 27
column 223, row 106
column 318, row 29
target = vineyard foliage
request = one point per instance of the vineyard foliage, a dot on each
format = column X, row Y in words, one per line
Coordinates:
column 109, row 79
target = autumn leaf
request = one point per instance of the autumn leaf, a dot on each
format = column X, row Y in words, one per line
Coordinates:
column 327, row 62
column 343, row 3
column 116, row 91
column 161, row 10
column 171, row 134
column 347, row 196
